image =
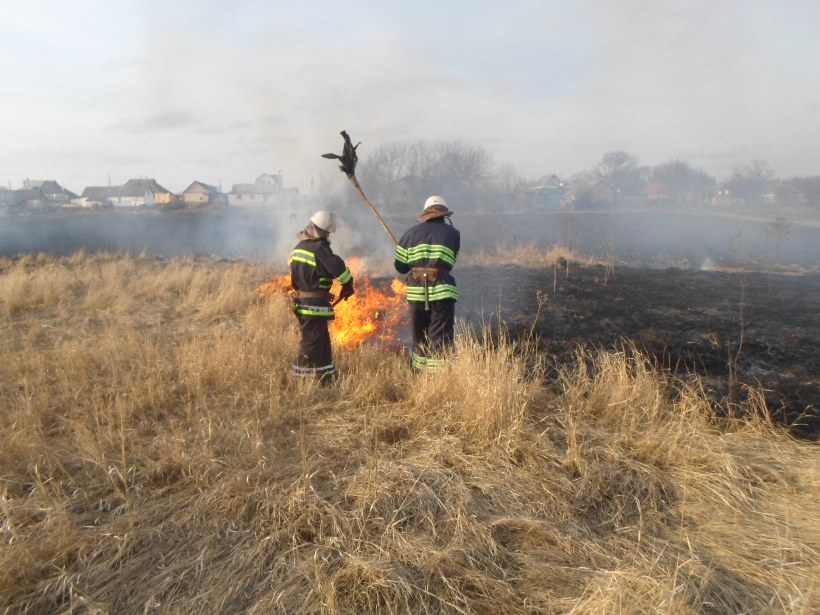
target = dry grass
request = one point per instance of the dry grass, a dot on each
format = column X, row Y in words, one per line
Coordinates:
column 157, row 459
column 529, row 255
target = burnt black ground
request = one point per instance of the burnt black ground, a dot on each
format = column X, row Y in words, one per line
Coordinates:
column 688, row 321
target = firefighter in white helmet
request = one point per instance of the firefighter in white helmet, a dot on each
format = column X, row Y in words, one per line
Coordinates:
column 428, row 252
column 313, row 267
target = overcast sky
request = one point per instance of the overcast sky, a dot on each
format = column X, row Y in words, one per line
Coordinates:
column 222, row 91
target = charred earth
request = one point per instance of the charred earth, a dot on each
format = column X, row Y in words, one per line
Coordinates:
column 734, row 330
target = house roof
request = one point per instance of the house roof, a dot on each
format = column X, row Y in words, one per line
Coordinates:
column 131, row 188
column 139, row 187
column 198, row 186
column 255, row 189
column 595, row 185
column 14, row 197
column 264, row 184
column 49, row 187
column 267, row 178
column 99, row 193
column 547, row 181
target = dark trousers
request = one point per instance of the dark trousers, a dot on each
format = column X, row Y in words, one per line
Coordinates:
column 315, row 357
column 433, row 329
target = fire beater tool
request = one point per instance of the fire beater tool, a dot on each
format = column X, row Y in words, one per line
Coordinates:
column 348, row 160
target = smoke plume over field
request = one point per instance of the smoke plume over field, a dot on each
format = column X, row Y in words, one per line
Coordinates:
column 650, row 238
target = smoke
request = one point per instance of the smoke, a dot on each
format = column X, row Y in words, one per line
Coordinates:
column 646, row 238
column 651, row 238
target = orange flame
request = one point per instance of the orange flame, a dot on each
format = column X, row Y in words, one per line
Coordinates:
column 372, row 314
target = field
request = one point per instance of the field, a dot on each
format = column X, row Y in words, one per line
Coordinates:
column 738, row 330
column 157, row 458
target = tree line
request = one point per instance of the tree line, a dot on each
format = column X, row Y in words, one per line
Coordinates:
column 470, row 179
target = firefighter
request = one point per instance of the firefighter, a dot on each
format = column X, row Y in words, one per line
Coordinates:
column 428, row 252
column 313, row 267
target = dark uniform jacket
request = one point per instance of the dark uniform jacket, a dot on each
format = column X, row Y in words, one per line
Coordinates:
column 313, row 267
column 433, row 243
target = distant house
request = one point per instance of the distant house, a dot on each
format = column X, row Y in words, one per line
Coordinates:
column 596, row 193
column 37, row 195
column 549, row 192
column 266, row 190
column 54, row 193
column 406, row 193
column 199, row 193
column 95, row 196
column 133, row 193
column 723, row 197
column 22, row 200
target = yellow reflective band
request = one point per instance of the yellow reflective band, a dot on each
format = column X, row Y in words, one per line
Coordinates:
column 437, row 292
column 429, row 251
column 427, row 364
column 303, row 256
column 436, row 362
column 345, row 276
column 418, row 361
column 313, row 310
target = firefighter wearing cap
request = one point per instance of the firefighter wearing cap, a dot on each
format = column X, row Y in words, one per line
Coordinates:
column 313, row 267
column 428, row 252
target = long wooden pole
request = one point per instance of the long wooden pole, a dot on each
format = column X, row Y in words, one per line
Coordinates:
column 373, row 209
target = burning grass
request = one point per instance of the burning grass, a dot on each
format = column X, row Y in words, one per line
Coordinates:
column 373, row 313
column 156, row 458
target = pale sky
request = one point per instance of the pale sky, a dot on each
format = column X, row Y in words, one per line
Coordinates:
column 223, row 91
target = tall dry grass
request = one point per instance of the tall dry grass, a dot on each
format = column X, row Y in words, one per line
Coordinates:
column 156, row 458
column 529, row 255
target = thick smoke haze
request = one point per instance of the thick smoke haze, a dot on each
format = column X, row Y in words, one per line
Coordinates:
column 221, row 93
column 655, row 239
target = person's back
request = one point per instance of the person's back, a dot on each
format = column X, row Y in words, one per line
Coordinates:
column 313, row 267
column 428, row 252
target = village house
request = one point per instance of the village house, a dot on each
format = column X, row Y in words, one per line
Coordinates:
column 594, row 194
column 133, row 193
column 405, row 193
column 23, row 200
column 266, row 190
column 199, row 193
column 37, row 195
column 53, row 192
column 549, row 192
column 723, row 197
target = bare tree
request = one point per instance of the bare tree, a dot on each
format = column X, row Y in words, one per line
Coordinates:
column 751, row 181
column 390, row 162
column 457, row 161
column 799, row 191
column 620, row 170
column 681, row 182
column 458, row 170
column 507, row 179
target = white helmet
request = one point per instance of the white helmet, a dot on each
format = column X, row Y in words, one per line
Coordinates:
column 324, row 220
column 434, row 200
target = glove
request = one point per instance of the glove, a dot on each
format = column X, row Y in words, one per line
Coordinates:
column 346, row 291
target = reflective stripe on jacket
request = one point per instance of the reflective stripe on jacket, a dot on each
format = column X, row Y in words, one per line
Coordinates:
column 433, row 243
column 314, row 266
